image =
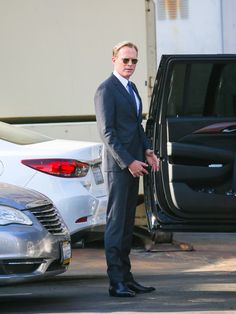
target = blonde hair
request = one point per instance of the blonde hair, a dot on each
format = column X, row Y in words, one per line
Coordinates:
column 117, row 47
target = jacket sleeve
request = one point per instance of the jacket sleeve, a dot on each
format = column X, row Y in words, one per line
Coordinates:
column 105, row 108
column 145, row 140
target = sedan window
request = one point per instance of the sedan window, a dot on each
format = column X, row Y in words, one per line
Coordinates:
column 21, row 136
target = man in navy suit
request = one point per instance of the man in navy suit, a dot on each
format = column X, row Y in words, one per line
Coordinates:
column 118, row 109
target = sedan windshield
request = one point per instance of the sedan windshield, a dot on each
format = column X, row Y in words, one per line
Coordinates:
column 21, row 136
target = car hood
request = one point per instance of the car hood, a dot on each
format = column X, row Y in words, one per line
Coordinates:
column 21, row 198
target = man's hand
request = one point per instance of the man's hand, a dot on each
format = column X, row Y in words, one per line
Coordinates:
column 138, row 168
column 152, row 159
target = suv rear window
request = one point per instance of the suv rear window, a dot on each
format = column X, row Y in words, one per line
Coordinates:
column 202, row 89
column 20, row 135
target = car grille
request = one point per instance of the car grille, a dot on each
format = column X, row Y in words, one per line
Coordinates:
column 48, row 217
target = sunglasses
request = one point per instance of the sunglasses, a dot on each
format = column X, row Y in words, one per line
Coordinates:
column 126, row 60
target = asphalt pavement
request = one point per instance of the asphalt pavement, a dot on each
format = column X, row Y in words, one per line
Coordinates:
column 193, row 274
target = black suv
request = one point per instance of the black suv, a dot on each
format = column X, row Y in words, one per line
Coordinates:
column 192, row 123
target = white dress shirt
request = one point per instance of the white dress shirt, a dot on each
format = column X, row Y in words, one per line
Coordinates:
column 124, row 82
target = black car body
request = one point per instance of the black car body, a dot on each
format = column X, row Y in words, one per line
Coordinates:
column 192, row 123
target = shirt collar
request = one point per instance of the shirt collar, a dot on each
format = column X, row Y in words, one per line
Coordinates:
column 123, row 80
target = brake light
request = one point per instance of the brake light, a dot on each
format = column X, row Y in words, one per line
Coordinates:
column 68, row 168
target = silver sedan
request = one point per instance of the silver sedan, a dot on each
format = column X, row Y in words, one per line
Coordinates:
column 34, row 240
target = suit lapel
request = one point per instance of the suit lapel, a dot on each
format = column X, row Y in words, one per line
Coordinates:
column 126, row 94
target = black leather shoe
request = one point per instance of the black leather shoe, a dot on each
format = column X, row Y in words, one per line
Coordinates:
column 136, row 287
column 120, row 289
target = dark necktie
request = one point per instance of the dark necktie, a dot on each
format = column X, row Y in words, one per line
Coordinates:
column 131, row 91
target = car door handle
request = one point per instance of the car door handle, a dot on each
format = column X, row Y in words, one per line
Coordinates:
column 229, row 130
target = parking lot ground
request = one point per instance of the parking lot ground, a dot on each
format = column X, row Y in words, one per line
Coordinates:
column 202, row 280
column 210, row 251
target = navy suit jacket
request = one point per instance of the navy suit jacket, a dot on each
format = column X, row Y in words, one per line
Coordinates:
column 119, row 125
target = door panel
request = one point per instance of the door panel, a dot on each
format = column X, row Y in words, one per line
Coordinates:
column 199, row 166
column 192, row 123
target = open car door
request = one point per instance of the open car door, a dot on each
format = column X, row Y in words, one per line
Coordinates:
column 192, row 124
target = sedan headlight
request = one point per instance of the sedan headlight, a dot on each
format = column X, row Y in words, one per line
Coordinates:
column 10, row 215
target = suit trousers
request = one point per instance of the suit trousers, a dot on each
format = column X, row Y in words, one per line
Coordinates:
column 122, row 201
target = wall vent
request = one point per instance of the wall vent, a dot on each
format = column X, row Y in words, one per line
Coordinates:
column 172, row 9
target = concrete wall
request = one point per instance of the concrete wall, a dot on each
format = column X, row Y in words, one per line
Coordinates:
column 54, row 53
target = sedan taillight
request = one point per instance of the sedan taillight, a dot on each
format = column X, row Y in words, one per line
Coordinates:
column 68, row 168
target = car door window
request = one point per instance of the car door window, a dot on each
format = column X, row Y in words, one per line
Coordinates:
column 202, row 89
column 21, row 136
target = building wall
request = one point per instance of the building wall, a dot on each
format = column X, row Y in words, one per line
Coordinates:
column 54, row 53
column 192, row 26
column 229, row 26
